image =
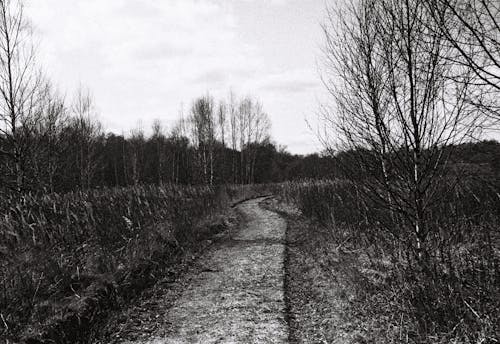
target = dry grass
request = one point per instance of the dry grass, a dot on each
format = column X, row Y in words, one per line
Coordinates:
column 66, row 260
column 362, row 273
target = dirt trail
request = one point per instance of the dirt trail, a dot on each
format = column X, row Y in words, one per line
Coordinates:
column 237, row 296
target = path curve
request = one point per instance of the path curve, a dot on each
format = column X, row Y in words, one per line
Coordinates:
column 238, row 297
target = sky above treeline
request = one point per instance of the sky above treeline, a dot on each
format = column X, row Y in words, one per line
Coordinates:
column 148, row 59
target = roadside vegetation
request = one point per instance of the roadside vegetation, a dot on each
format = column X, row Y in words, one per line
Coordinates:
column 355, row 262
column 411, row 84
column 69, row 259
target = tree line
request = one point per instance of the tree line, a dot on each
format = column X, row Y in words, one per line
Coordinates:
column 61, row 147
column 50, row 144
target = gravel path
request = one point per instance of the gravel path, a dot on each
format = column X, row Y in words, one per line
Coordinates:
column 237, row 297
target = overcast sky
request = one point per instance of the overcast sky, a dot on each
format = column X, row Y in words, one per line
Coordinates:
column 143, row 59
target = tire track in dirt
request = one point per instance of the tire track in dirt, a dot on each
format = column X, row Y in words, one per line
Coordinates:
column 238, row 295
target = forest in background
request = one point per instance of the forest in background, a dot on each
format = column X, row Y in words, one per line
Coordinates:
column 50, row 144
column 65, row 148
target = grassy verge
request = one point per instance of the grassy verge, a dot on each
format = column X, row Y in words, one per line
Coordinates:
column 349, row 283
column 324, row 286
column 68, row 260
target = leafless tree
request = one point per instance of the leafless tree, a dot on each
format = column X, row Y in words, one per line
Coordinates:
column 88, row 131
column 19, row 85
column 178, row 133
column 221, row 135
column 243, row 117
column 159, row 140
column 137, row 141
column 396, row 109
column 260, row 127
column 233, row 130
column 48, row 147
column 203, row 131
column 472, row 29
column 222, row 122
column 254, row 126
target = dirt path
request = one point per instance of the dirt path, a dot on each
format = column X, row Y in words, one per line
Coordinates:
column 237, row 295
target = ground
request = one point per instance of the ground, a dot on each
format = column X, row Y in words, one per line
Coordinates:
column 234, row 293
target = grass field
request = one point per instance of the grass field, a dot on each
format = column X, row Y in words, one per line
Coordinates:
column 344, row 263
column 69, row 260
column 65, row 260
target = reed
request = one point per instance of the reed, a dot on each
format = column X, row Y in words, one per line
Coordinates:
column 55, row 248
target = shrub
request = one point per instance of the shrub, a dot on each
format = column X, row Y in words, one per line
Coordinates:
column 457, row 296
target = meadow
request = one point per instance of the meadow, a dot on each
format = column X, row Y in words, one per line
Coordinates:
column 366, row 252
column 68, row 259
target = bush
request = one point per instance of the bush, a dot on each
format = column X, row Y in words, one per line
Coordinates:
column 457, row 296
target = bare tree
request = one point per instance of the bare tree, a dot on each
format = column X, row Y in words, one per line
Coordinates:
column 244, row 117
column 49, row 147
column 472, row 29
column 159, row 140
column 178, row 134
column 136, row 150
column 254, row 126
column 87, row 131
column 233, row 130
column 221, row 122
column 396, row 108
column 19, row 86
column 260, row 126
column 203, row 132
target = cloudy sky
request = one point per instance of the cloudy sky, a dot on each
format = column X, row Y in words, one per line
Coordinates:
column 147, row 59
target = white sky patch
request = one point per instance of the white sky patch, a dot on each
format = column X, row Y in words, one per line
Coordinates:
column 290, row 81
column 143, row 59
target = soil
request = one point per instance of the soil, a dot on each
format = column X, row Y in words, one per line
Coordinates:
column 234, row 293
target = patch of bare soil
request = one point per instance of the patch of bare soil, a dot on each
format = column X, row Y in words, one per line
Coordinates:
column 233, row 294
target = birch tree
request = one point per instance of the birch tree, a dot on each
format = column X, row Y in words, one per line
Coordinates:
column 221, row 124
column 137, row 142
column 159, row 141
column 203, row 133
column 50, row 150
column 472, row 29
column 19, row 85
column 87, row 130
column 396, row 107
column 233, row 129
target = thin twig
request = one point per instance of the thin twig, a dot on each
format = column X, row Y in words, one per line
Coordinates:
column 472, row 309
column 4, row 322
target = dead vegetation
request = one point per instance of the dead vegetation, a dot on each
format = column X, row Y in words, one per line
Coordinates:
column 66, row 260
column 232, row 293
column 351, row 280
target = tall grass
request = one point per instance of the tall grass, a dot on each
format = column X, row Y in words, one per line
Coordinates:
column 457, row 298
column 55, row 248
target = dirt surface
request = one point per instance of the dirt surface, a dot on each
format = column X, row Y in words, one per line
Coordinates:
column 233, row 294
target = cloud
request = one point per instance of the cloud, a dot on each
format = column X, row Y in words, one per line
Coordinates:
column 279, row 2
column 272, row 2
column 287, row 82
column 141, row 57
column 132, row 31
column 211, row 77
